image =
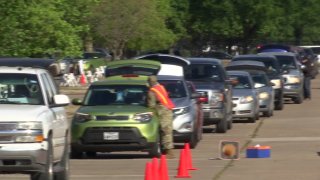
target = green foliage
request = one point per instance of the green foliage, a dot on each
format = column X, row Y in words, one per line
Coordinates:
column 36, row 29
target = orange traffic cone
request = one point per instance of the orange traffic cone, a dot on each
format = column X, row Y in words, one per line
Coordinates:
column 148, row 171
column 182, row 170
column 163, row 171
column 188, row 157
column 83, row 79
column 155, row 169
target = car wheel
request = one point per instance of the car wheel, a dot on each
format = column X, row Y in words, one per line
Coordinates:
column 230, row 123
column 268, row 113
column 194, row 139
column 252, row 119
column 64, row 163
column 299, row 99
column 91, row 154
column 47, row 173
column 222, row 126
column 155, row 150
column 279, row 105
column 75, row 154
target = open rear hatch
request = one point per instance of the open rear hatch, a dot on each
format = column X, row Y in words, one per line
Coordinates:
column 170, row 64
column 246, row 65
column 138, row 67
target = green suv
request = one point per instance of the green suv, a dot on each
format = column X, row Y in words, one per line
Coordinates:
column 114, row 115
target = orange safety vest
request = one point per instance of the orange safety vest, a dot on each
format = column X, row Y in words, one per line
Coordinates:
column 162, row 96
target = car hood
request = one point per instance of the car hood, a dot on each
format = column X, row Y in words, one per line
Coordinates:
column 181, row 102
column 113, row 110
column 293, row 72
column 242, row 92
column 20, row 112
column 208, row 85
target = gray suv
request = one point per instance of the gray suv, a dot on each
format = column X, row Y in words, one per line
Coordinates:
column 210, row 79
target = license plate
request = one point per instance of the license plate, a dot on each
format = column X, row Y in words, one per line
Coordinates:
column 111, row 135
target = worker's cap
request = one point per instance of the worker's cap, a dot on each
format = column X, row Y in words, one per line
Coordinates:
column 153, row 79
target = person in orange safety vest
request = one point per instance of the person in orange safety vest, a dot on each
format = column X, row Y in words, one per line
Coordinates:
column 159, row 100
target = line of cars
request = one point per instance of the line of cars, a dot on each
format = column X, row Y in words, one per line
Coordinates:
column 113, row 116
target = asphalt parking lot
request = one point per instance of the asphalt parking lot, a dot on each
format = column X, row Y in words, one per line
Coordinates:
column 292, row 134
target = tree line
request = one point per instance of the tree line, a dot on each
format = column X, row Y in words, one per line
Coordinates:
column 60, row 28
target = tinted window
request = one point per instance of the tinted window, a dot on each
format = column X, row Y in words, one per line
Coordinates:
column 175, row 88
column 243, row 82
column 259, row 80
column 20, row 89
column 204, row 72
column 287, row 62
column 116, row 95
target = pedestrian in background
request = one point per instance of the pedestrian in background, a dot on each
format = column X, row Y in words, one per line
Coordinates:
column 159, row 100
column 307, row 77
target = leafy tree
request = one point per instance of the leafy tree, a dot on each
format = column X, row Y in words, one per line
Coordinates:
column 121, row 24
column 35, row 28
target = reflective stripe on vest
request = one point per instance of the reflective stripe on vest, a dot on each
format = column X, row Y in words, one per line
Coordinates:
column 162, row 96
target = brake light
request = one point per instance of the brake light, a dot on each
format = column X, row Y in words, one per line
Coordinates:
column 203, row 99
column 130, row 75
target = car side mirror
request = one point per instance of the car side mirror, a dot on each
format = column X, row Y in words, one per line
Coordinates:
column 77, row 102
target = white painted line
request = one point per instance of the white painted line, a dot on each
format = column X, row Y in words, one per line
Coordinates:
column 286, row 139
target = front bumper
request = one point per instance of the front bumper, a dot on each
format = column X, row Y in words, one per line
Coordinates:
column 183, row 127
column 130, row 138
column 292, row 90
column 22, row 158
column 246, row 110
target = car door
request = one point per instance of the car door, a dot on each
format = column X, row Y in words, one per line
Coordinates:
column 56, row 115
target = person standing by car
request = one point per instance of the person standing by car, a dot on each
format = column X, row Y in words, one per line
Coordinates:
column 159, row 100
column 307, row 77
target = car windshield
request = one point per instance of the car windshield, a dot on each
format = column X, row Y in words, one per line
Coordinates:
column 204, row 72
column 116, row 95
column 287, row 62
column 259, row 80
column 316, row 50
column 243, row 82
column 20, row 89
column 175, row 88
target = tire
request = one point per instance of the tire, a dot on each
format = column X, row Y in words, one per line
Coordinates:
column 64, row 163
column 230, row 124
column 194, row 140
column 279, row 105
column 299, row 99
column 252, row 119
column 75, row 154
column 91, row 154
column 222, row 126
column 47, row 173
column 155, row 150
column 268, row 113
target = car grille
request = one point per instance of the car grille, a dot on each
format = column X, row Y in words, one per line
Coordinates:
column 7, row 126
column 106, row 118
column 127, row 135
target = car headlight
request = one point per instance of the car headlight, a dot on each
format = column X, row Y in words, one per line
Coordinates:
column 246, row 99
column 82, row 117
column 29, row 138
column 216, row 98
column 143, row 117
column 277, row 83
column 180, row 111
column 292, row 79
column 263, row 95
column 29, row 126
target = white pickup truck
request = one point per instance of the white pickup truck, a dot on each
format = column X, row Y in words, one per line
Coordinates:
column 34, row 129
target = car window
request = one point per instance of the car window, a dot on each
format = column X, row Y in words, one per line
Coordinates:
column 287, row 62
column 20, row 89
column 243, row 82
column 175, row 88
column 259, row 80
column 116, row 95
column 206, row 72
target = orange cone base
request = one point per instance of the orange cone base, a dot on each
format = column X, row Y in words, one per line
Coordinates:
column 193, row 168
